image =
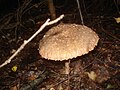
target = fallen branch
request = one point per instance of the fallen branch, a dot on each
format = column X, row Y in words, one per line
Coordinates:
column 48, row 22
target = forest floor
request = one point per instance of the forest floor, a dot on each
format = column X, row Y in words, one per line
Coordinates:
column 97, row 70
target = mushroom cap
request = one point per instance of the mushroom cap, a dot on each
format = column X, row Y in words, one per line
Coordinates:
column 67, row 41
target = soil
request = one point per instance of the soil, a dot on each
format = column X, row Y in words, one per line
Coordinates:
column 97, row 70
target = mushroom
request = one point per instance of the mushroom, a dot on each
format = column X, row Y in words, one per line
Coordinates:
column 67, row 41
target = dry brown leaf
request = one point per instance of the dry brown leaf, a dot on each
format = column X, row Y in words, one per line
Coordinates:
column 92, row 75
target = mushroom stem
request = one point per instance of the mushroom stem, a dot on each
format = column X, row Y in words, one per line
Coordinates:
column 67, row 72
column 67, row 67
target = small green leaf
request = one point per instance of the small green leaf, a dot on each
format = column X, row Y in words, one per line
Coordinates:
column 14, row 68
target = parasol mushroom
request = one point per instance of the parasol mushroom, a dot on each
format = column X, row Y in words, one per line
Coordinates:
column 67, row 41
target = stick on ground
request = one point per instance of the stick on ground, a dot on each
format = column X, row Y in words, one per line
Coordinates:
column 48, row 22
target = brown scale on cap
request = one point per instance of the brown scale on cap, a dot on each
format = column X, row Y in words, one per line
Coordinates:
column 67, row 41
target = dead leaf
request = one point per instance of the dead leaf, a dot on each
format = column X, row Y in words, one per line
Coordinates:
column 92, row 75
column 117, row 19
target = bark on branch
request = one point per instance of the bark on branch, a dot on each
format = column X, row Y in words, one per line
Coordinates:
column 48, row 22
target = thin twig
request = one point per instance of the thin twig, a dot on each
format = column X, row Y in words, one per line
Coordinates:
column 62, row 81
column 80, row 12
column 110, row 34
column 117, row 7
column 48, row 22
column 5, row 23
